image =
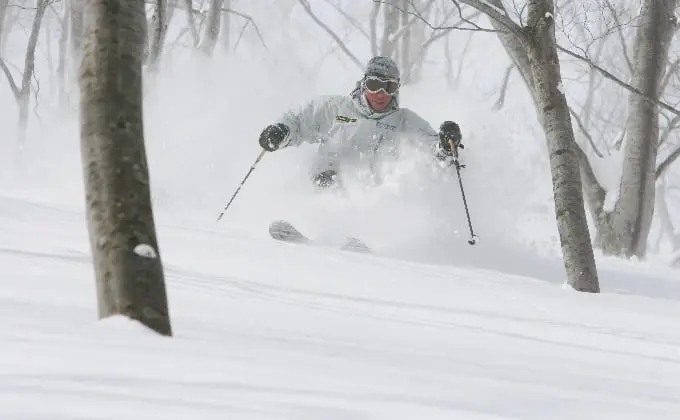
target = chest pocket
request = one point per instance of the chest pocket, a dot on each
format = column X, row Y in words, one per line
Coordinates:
column 343, row 130
column 387, row 142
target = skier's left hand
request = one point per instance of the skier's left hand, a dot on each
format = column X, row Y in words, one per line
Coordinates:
column 325, row 179
column 449, row 132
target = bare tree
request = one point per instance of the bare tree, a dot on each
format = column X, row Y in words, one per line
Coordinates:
column 9, row 19
column 226, row 27
column 666, row 227
column 408, row 31
column 308, row 8
column 76, row 15
column 22, row 90
column 533, row 49
column 160, row 19
column 212, row 28
column 388, row 44
column 3, row 12
column 373, row 27
column 63, row 53
column 405, row 47
column 127, row 261
column 191, row 23
column 625, row 227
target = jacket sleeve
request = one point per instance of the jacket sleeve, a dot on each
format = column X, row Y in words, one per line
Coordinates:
column 423, row 135
column 310, row 122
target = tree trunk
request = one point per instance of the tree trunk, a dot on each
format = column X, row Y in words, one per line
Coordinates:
column 11, row 19
column 127, row 261
column 572, row 226
column 3, row 12
column 405, row 53
column 226, row 27
column 48, row 55
column 533, row 50
column 22, row 92
column 159, row 25
column 195, row 38
column 63, row 52
column 212, row 28
column 420, row 44
column 373, row 27
column 390, row 27
column 622, row 231
column 628, row 225
column 664, row 217
column 76, row 14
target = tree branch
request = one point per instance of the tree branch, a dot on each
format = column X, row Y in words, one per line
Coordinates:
column 504, row 88
column 619, row 82
column 672, row 125
column 663, row 166
column 497, row 14
column 444, row 32
column 585, row 132
column 329, row 31
column 418, row 16
column 624, row 48
column 594, row 193
column 349, row 18
column 10, row 79
column 251, row 21
column 672, row 68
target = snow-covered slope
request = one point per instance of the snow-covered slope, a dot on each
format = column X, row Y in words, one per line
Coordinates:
column 266, row 330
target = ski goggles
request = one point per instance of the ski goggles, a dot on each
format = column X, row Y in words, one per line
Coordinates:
column 374, row 84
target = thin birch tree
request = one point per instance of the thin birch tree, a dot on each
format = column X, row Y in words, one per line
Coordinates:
column 22, row 89
column 533, row 49
column 624, row 229
column 127, row 261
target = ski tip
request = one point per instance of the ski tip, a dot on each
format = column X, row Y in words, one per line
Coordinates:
column 284, row 231
column 356, row 245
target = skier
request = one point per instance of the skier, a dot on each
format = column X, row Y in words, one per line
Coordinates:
column 361, row 129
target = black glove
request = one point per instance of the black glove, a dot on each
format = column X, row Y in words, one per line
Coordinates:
column 272, row 136
column 325, row 179
column 449, row 132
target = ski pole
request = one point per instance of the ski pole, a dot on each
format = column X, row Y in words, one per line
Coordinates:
column 252, row 168
column 454, row 148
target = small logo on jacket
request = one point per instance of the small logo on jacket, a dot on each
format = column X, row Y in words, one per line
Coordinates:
column 344, row 119
column 389, row 127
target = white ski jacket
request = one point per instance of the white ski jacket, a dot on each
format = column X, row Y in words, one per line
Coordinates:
column 350, row 133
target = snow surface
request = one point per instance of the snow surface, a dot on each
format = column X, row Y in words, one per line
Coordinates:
column 266, row 330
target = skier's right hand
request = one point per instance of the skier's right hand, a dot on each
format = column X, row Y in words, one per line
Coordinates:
column 273, row 136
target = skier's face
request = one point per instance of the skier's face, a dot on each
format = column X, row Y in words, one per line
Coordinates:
column 379, row 91
column 379, row 101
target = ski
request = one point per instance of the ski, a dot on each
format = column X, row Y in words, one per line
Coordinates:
column 355, row 245
column 284, row 231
